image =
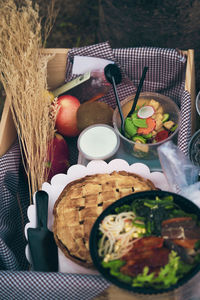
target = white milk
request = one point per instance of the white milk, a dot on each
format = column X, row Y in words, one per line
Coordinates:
column 98, row 142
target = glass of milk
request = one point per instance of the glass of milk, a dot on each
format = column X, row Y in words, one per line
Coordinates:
column 98, row 141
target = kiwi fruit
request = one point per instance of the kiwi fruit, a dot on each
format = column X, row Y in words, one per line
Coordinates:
column 90, row 113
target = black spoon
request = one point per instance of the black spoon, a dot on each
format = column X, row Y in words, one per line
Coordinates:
column 44, row 252
column 113, row 75
column 138, row 92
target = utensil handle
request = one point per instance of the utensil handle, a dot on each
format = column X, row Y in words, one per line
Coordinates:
column 42, row 200
column 138, row 91
column 118, row 104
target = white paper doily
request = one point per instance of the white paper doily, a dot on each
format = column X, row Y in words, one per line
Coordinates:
column 59, row 181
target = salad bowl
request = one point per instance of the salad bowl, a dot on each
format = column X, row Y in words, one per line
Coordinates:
column 156, row 120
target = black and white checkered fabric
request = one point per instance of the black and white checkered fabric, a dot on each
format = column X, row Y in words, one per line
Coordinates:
column 12, row 212
column 49, row 286
column 166, row 75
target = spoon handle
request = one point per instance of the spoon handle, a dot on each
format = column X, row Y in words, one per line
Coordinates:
column 138, row 91
column 118, row 104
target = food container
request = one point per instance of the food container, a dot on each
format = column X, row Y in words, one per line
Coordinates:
column 87, row 87
column 98, row 141
column 194, row 148
column 194, row 144
column 95, row 236
column 140, row 150
column 198, row 103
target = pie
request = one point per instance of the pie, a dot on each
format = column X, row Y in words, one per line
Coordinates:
column 82, row 201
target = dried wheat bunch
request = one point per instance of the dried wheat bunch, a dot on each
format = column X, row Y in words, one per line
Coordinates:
column 23, row 73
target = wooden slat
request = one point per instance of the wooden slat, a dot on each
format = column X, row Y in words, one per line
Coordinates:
column 8, row 132
column 190, row 86
column 115, row 293
column 56, row 68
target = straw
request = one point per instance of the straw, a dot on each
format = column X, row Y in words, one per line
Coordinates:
column 138, row 92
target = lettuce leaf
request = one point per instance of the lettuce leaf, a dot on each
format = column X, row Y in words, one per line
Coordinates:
column 114, row 266
column 168, row 275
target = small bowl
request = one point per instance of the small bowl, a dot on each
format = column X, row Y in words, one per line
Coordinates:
column 146, row 151
column 98, row 141
column 95, row 235
column 198, row 103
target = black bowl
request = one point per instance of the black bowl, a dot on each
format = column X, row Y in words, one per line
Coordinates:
column 183, row 203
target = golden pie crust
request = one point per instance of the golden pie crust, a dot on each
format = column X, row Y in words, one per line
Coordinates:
column 82, row 201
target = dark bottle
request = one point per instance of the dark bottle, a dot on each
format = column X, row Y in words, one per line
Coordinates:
column 87, row 87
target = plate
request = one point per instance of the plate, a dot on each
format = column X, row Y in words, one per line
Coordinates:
column 58, row 183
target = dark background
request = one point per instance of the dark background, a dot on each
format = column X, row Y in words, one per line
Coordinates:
column 127, row 23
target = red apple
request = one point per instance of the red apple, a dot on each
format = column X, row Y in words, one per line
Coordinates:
column 66, row 123
column 57, row 157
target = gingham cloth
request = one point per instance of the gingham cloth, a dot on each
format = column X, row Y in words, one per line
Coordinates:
column 166, row 75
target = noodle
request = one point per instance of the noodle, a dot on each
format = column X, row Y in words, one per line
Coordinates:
column 118, row 235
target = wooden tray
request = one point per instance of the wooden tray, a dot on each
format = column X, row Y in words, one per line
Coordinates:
column 56, row 76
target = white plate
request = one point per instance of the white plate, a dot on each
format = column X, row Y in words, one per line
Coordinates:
column 59, row 181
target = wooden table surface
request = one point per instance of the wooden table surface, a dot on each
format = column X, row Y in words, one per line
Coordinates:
column 189, row 291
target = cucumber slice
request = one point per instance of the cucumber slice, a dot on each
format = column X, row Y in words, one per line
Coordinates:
column 140, row 123
column 148, row 136
column 129, row 127
column 174, row 128
column 139, row 138
column 165, row 118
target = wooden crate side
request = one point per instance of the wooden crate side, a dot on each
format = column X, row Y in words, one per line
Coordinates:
column 56, row 68
column 8, row 132
column 190, row 86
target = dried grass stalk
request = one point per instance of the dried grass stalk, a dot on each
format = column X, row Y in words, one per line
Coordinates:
column 52, row 13
column 23, row 72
